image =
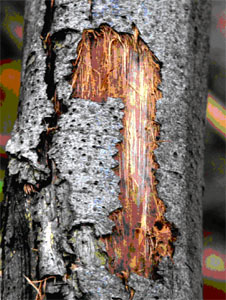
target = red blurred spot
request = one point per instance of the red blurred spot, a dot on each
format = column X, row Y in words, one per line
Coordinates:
column 3, row 155
column 206, row 233
column 207, row 272
column 211, row 293
column 222, row 23
column 4, row 139
column 2, row 96
column 5, row 61
column 19, row 31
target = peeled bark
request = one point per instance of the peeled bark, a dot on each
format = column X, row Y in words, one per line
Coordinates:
column 104, row 186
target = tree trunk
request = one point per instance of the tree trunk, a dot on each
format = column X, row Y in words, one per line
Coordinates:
column 104, row 186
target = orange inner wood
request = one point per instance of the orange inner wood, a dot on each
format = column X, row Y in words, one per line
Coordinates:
column 110, row 64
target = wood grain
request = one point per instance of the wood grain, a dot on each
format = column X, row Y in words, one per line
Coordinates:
column 110, row 64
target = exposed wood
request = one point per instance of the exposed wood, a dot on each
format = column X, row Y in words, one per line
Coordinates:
column 110, row 64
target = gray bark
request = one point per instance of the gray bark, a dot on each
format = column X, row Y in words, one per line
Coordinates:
column 68, row 212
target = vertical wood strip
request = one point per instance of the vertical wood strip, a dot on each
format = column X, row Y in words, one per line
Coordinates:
column 110, row 64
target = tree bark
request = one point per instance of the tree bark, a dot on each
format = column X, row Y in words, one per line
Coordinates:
column 83, row 216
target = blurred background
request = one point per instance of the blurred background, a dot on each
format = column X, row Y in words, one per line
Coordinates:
column 214, row 213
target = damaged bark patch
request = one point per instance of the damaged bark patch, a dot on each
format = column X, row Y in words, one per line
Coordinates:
column 120, row 65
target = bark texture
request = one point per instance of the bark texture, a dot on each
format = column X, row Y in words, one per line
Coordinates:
column 60, row 187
